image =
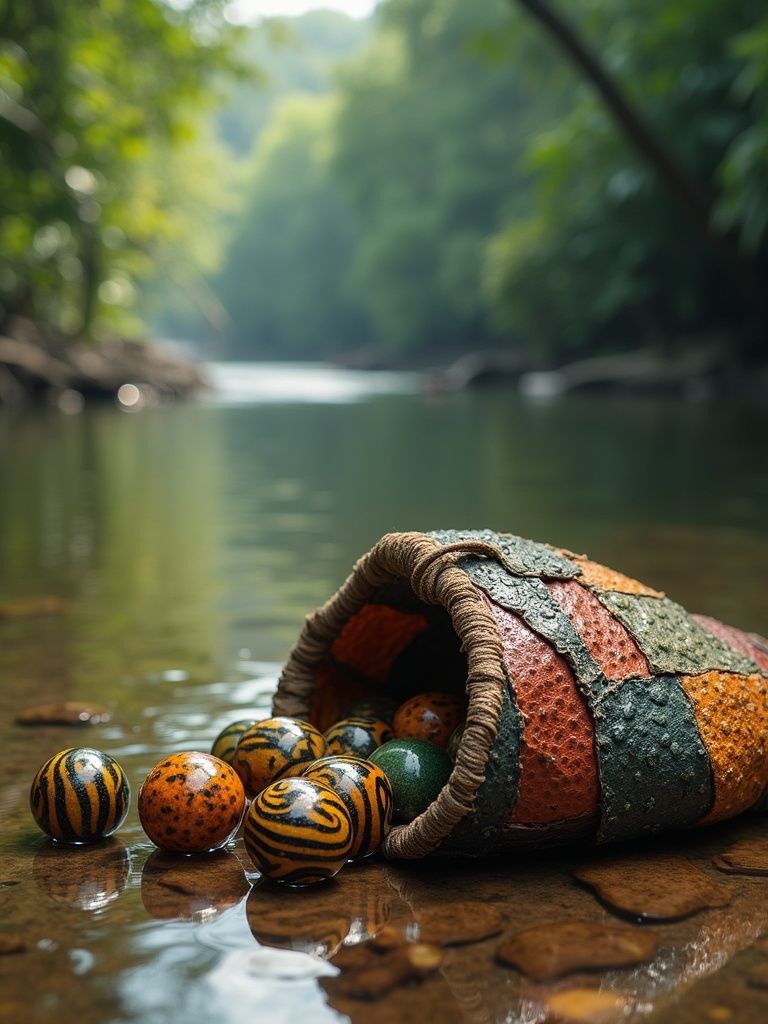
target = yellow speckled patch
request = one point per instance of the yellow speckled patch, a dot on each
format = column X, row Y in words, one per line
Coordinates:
column 603, row 578
column 732, row 714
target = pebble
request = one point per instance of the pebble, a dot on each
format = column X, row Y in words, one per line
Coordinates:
column 745, row 857
column 653, row 886
column 369, row 971
column 458, row 923
column 68, row 712
column 587, row 1006
column 549, row 951
column 11, row 943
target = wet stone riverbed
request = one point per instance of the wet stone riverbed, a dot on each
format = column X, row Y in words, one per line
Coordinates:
column 119, row 931
column 159, row 566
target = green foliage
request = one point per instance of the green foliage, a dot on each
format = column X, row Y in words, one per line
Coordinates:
column 429, row 139
column 100, row 154
column 283, row 281
column 367, row 219
column 437, row 178
column 291, row 55
column 606, row 260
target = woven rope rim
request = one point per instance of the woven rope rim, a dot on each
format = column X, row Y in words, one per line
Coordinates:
column 431, row 570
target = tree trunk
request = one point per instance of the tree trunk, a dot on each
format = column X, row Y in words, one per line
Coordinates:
column 693, row 195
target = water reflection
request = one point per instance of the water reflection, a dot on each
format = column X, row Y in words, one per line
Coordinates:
column 347, row 909
column 313, row 920
column 191, row 888
column 185, row 547
column 86, row 877
column 252, row 383
column 281, row 983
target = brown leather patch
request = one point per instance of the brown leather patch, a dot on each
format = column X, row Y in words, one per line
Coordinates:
column 742, row 642
column 558, row 766
column 610, row 644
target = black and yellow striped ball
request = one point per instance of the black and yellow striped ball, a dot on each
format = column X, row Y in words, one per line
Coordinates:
column 298, row 831
column 80, row 795
column 274, row 749
column 372, row 707
column 225, row 744
column 357, row 737
column 367, row 794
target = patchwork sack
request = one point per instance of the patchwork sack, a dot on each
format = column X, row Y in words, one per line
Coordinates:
column 598, row 709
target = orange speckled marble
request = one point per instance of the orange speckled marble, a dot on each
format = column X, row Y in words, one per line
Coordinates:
column 732, row 714
column 432, row 716
column 191, row 803
column 559, row 771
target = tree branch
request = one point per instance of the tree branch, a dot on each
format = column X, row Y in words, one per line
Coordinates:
column 692, row 194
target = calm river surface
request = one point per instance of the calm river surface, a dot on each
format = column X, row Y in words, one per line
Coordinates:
column 186, row 544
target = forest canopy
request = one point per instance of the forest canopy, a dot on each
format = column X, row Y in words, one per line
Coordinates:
column 567, row 180
column 109, row 167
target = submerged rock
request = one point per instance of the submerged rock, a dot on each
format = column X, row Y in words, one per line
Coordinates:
column 653, row 886
column 38, row 365
column 551, row 950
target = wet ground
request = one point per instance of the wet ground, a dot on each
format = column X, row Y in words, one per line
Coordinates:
column 182, row 549
column 119, row 931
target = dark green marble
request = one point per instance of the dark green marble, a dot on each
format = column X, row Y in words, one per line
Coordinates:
column 654, row 768
column 417, row 771
column 522, row 557
column 479, row 831
column 670, row 639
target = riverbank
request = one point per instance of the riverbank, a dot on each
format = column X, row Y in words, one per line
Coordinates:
column 38, row 366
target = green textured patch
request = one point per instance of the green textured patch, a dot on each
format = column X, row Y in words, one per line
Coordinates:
column 522, row 557
column 478, row 832
column 531, row 600
column 670, row 639
column 654, row 768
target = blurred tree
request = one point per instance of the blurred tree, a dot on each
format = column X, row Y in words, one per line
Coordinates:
column 430, row 135
column 289, row 256
column 657, row 229
column 292, row 55
column 101, row 159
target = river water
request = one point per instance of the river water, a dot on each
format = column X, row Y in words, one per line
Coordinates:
column 179, row 549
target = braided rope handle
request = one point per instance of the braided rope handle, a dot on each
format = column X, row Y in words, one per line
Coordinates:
column 431, row 570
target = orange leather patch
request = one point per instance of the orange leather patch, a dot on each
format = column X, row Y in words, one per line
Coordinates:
column 361, row 658
column 558, row 767
column 610, row 644
column 602, row 578
column 732, row 715
column 372, row 639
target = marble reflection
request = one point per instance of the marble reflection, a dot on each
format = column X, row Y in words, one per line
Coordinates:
column 191, row 888
column 87, row 877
